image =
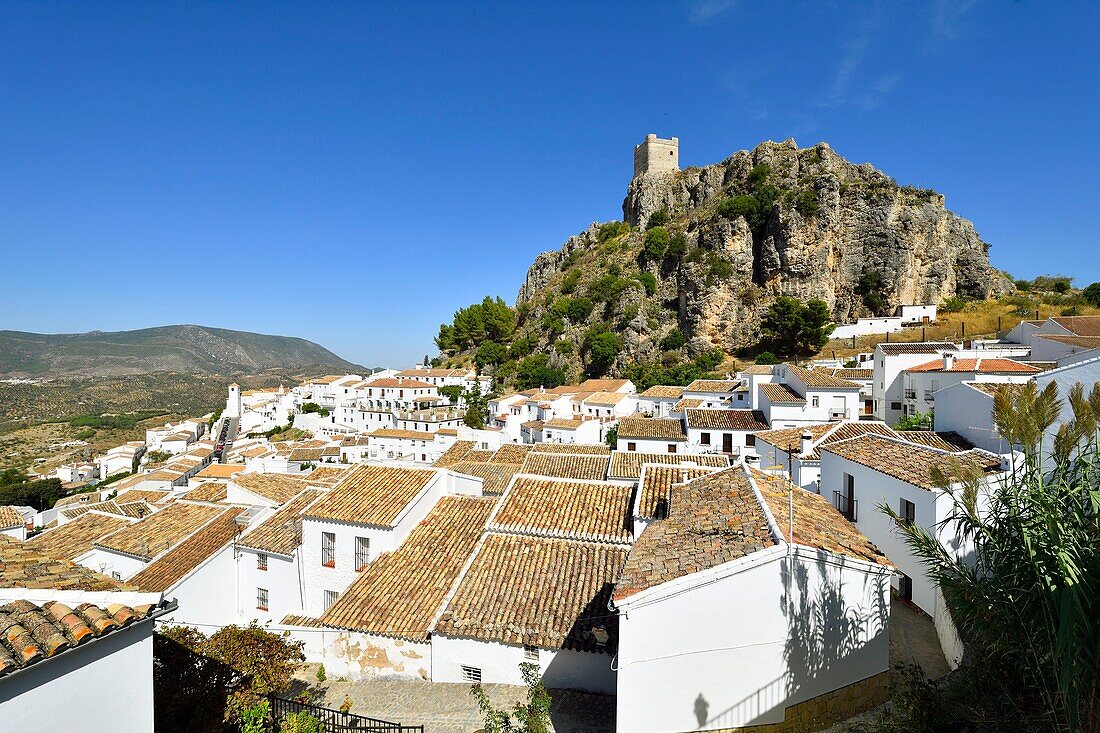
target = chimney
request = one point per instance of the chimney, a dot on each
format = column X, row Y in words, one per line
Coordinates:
column 948, row 361
column 804, row 446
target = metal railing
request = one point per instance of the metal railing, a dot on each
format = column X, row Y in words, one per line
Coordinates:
column 336, row 721
column 846, row 505
column 910, row 394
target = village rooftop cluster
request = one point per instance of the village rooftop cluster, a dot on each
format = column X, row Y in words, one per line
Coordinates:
column 395, row 540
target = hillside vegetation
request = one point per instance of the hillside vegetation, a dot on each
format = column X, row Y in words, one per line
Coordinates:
column 185, row 349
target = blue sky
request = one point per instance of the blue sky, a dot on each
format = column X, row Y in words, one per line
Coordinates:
column 354, row 172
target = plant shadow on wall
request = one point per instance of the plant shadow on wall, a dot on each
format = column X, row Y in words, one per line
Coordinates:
column 826, row 640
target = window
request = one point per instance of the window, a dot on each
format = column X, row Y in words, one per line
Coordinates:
column 815, row 401
column 531, row 653
column 261, row 599
column 895, row 405
column 116, row 576
column 632, row 446
column 362, row 552
column 704, row 438
column 328, row 549
column 672, row 448
column 471, row 674
column 905, row 587
column 750, row 440
column 907, row 512
column 261, row 561
column 330, row 598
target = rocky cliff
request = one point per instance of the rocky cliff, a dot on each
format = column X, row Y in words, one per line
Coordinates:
column 776, row 220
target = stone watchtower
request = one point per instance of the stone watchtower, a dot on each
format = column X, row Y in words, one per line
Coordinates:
column 657, row 155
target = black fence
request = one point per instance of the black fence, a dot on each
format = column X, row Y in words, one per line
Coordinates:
column 336, row 721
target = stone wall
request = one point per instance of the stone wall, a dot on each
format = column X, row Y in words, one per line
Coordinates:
column 825, row 710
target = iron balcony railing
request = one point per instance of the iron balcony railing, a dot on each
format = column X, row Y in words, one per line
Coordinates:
column 910, row 394
column 336, row 721
column 846, row 505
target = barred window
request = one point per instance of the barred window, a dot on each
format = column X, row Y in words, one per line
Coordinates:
column 531, row 652
column 261, row 599
column 328, row 549
column 362, row 552
column 471, row 674
column 261, row 561
column 330, row 598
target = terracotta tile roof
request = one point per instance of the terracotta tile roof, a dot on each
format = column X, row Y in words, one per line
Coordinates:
column 712, row 520
column 495, row 476
column 455, row 453
column 817, row 523
column 1086, row 342
column 908, row 462
column 371, row 495
column 655, row 486
column 400, row 593
column 853, row 373
column 653, row 428
column 757, row 369
column 89, row 498
column 537, row 591
column 11, row 518
column 306, row 454
column 716, row 386
column 562, row 465
column 579, row 510
column 1080, row 325
column 921, row 347
column 150, row 495
column 171, row 567
column 686, row 403
column 76, row 510
column 781, row 394
column 562, row 423
column 22, row 565
column 432, row 373
column 601, row 385
column 72, row 539
column 573, row 448
column 479, row 456
column 163, row 474
column 820, row 378
column 207, row 491
column 277, row 487
column 532, row 425
column 748, row 420
column 30, row 633
column 823, row 434
column 297, row 620
column 159, row 532
column 219, row 470
column 662, row 391
column 628, row 464
column 281, row 533
column 511, row 453
column 949, row 441
column 992, row 388
column 979, row 366
column 402, row 434
column 134, row 509
column 326, row 475
column 606, row 398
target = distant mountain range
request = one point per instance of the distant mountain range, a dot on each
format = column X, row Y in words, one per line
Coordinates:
column 185, row 349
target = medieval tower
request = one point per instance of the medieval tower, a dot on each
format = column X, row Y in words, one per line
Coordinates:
column 656, row 155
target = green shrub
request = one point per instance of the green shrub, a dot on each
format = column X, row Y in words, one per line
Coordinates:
column 1061, row 286
column 577, row 310
column 1022, row 285
column 610, row 230
column 253, row 719
column 563, row 347
column 607, row 289
column 677, row 247
column 736, row 206
column 719, row 269
column 954, row 304
column 792, row 328
column 648, row 281
column 570, row 281
column 806, row 203
column 1091, row 295
column 658, row 219
column 301, row 722
column 655, row 244
column 673, row 340
column 759, row 174
column 1071, row 311
column 766, row 357
column 872, row 290
column 601, row 346
column 321, row 676
column 490, row 353
column 84, row 434
column 535, row 371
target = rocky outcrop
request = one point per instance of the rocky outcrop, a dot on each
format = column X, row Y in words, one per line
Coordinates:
column 825, row 224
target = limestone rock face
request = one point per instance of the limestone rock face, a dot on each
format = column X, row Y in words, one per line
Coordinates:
column 825, row 223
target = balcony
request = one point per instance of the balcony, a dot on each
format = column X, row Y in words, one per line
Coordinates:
column 838, row 414
column 910, row 394
column 846, row 505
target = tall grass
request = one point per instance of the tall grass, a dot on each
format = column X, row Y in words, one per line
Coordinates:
column 1027, row 602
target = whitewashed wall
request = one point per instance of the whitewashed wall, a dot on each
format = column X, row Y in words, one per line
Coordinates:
column 282, row 581
column 500, row 663
column 688, row 661
column 208, row 595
